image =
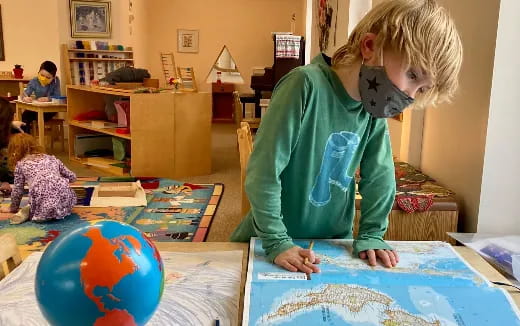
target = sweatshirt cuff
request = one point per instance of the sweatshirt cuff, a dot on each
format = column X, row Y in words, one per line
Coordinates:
column 279, row 249
column 367, row 244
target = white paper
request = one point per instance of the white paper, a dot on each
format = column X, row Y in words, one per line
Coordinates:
column 198, row 288
column 502, row 251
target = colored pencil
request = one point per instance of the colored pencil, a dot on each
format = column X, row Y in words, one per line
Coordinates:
column 311, row 244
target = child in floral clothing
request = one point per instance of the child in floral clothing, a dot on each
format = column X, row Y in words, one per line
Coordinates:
column 50, row 196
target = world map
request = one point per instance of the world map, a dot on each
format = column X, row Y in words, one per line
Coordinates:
column 431, row 286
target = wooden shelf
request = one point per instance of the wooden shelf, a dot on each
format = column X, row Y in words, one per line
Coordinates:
column 102, row 90
column 108, row 131
column 100, row 167
column 175, row 145
column 92, row 66
column 100, row 59
column 98, row 51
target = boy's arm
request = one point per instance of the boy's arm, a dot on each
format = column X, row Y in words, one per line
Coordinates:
column 56, row 90
column 377, row 188
column 17, row 192
column 274, row 143
column 29, row 89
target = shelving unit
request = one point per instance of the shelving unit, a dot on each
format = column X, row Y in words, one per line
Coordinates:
column 108, row 131
column 170, row 133
column 81, row 66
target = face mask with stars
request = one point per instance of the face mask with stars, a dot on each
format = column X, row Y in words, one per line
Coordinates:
column 380, row 97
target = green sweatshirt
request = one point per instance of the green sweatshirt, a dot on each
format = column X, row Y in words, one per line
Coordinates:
column 300, row 175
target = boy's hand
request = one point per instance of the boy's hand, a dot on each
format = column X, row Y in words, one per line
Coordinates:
column 293, row 260
column 389, row 258
column 44, row 99
column 27, row 99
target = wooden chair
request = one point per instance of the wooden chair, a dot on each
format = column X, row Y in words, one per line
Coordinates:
column 245, row 147
column 57, row 132
column 254, row 123
column 9, row 254
column 22, row 87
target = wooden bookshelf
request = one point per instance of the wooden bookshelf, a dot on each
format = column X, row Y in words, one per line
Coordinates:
column 170, row 133
column 101, row 59
column 81, row 66
column 98, row 51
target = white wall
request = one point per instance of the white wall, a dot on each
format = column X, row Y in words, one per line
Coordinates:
column 455, row 133
column 31, row 34
column 499, row 211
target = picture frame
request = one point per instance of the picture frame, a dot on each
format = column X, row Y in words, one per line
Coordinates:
column 2, row 53
column 90, row 19
column 188, row 40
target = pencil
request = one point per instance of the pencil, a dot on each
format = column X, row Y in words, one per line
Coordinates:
column 306, row 261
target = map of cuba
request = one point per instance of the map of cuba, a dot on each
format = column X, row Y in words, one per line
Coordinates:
column 431, row 286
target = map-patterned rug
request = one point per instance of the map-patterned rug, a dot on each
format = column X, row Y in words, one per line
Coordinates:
column 176, row 211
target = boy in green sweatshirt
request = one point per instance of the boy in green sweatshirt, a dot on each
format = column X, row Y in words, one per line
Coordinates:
column 327, row 118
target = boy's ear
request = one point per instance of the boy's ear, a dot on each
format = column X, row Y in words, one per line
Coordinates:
column 368, row 48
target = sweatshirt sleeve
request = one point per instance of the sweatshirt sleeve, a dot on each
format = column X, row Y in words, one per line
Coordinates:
column 274, row 143
column 30, row 87
column 377, row 189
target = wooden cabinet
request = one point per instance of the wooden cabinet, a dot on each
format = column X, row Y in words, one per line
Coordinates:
column 170, row 133
column 223, row 102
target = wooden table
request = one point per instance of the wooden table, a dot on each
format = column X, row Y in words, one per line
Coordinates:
column 40, row 109
column 214, row 246
column 469, row 255
column 11, row 85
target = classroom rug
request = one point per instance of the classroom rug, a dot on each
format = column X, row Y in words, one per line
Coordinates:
column 176, row 211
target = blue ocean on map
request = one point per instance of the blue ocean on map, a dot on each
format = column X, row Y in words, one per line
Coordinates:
column 430, row 286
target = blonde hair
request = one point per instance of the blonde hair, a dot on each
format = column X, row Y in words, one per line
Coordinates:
column 422, row 32
column 21, row 145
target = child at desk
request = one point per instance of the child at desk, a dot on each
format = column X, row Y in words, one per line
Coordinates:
column 50, row 196
column 43, row 87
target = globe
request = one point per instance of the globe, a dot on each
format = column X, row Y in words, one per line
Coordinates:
column 101, row 273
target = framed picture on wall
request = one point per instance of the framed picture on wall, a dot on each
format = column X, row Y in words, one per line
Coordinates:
column 187, row 40
column 2, row 53
column 90, row 19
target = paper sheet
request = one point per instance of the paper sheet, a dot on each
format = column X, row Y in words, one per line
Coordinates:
column 199, row 287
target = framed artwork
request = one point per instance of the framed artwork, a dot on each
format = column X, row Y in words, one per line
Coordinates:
column 2, row 53
column 187, row 40
column 327, row 18
column 90, row 19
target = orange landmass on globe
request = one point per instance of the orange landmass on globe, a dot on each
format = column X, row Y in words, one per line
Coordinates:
column 101, row 267
column 116, row 317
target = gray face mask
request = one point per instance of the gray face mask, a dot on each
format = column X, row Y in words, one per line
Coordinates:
column 380, row 97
